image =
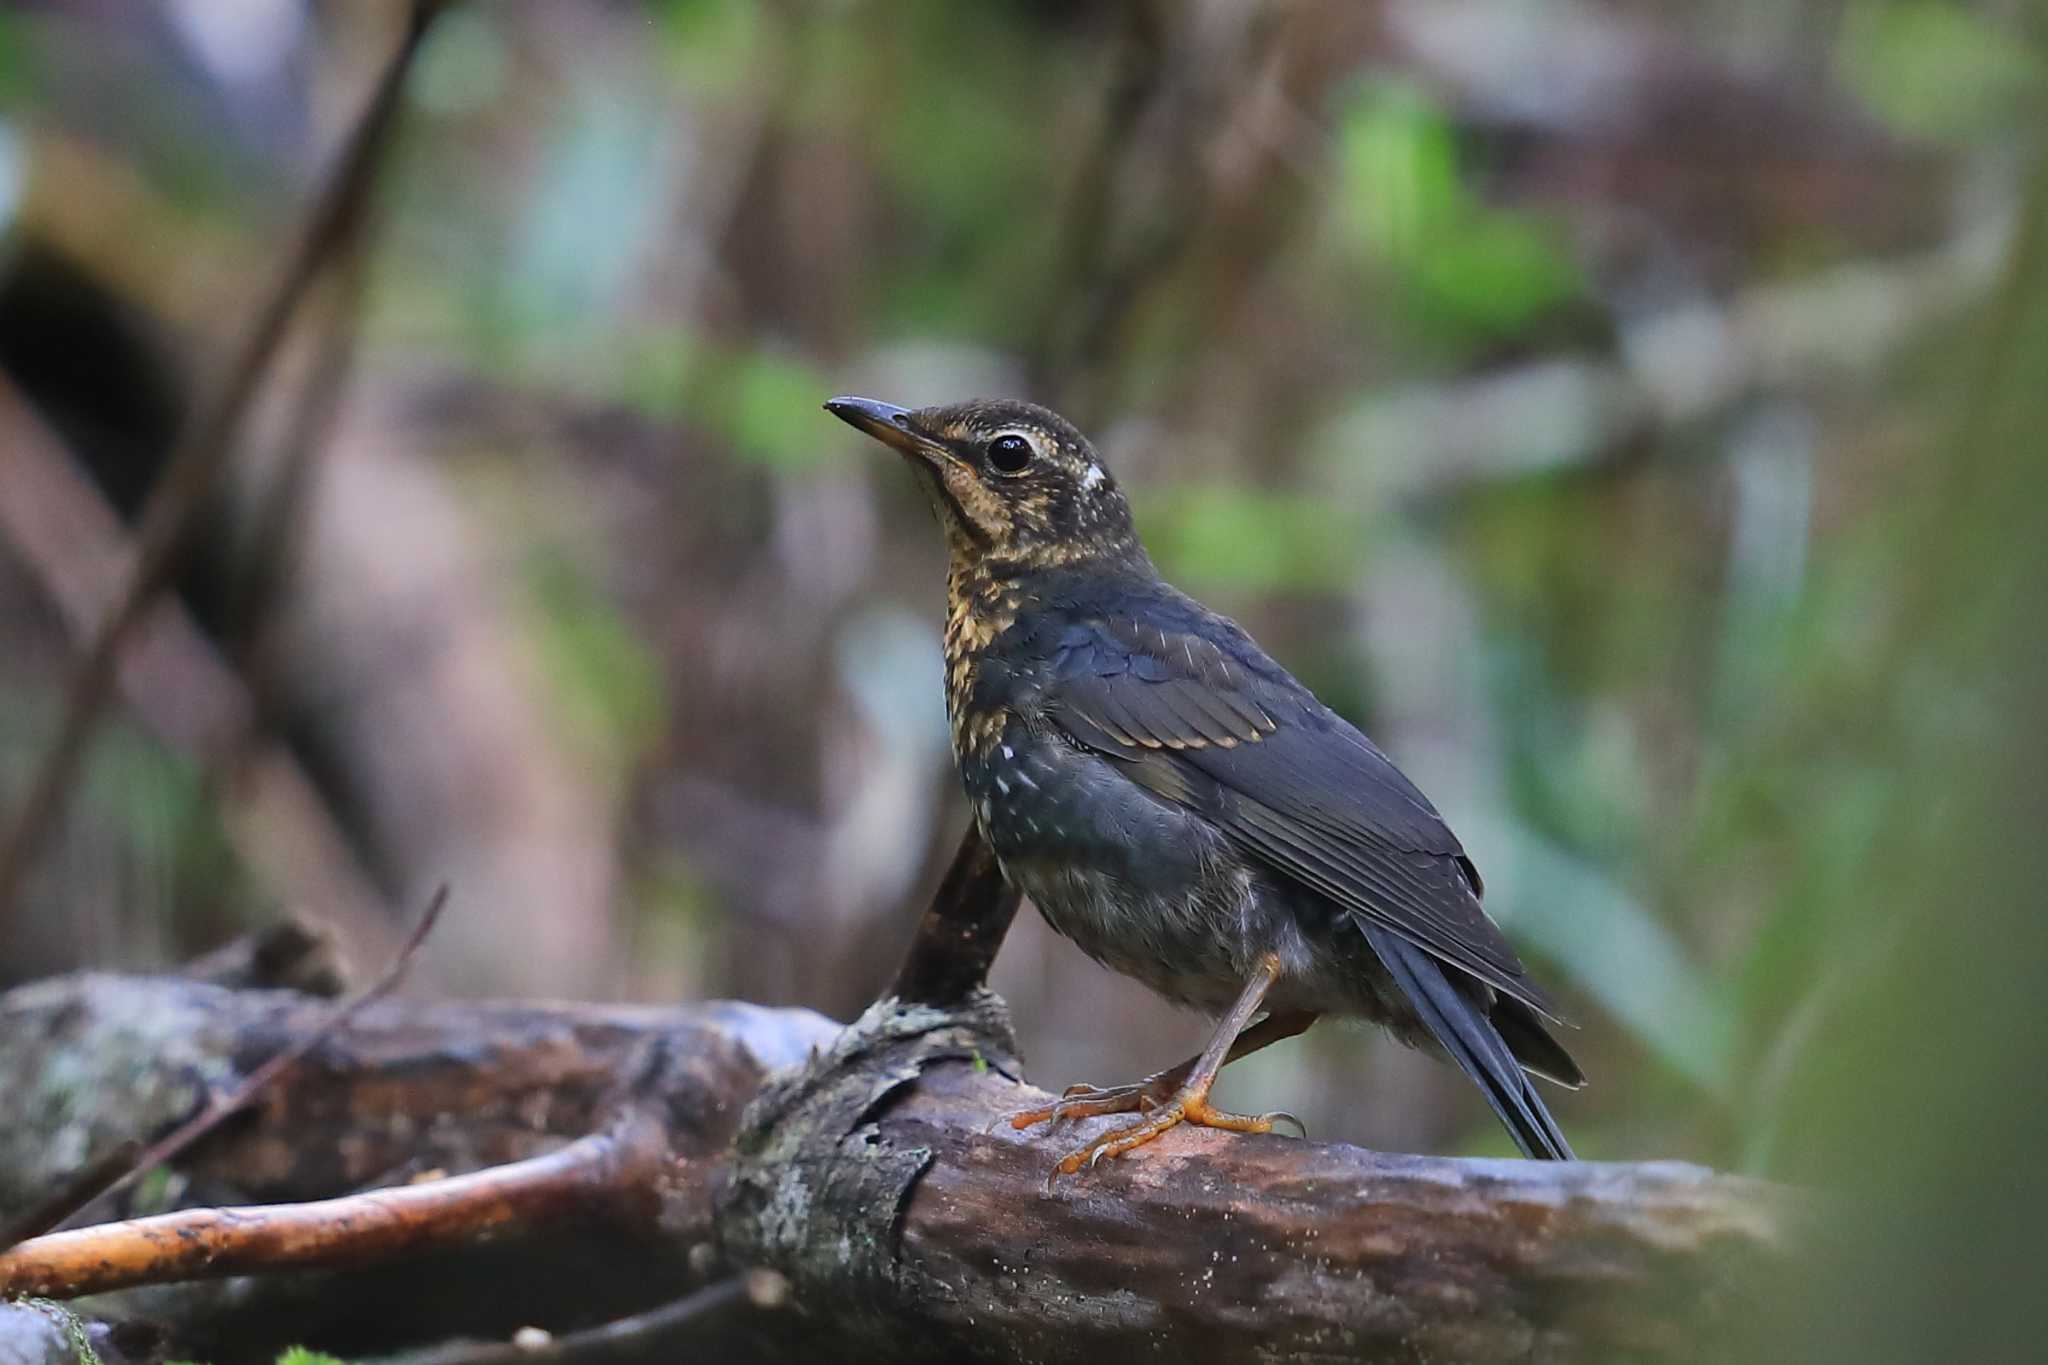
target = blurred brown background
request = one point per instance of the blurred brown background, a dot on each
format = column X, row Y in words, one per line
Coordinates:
column 1579, row 396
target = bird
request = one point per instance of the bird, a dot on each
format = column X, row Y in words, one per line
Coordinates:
column 1181, row 808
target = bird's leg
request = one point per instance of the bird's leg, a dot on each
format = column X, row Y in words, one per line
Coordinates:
column 1189, row 1102
column 1088, row 1101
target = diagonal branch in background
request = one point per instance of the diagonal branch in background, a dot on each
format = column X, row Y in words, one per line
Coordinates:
column 170, row 518
column 1081, row 307
column 73, row 543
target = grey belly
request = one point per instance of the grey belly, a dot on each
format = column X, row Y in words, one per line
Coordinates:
column 1139, row 884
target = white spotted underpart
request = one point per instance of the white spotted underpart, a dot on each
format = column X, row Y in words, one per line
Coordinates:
column 1093, row 477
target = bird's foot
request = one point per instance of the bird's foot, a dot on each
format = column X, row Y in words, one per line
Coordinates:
column 1088, row 1102
column 1186, row 1105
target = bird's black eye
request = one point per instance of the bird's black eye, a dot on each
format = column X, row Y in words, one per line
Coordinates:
column 1009, row 452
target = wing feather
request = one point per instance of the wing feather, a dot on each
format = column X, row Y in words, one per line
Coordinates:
column 1224, row 730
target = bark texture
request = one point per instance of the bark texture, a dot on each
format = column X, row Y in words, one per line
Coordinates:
column 862, row 1169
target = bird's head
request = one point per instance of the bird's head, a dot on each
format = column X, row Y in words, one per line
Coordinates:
column 1011, row 482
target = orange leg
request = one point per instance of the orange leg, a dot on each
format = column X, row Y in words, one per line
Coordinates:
column 1189, row 1102
column 1088, row 1101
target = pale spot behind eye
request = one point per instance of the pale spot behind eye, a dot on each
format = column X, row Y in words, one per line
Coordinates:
column 1092, row 477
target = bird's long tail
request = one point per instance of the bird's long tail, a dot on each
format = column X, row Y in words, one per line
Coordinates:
column 1472, row 1041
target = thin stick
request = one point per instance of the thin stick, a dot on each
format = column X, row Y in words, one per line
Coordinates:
column 83, row 1190
column 81, row 553
column 626, row 1338
column 606, row 1172
column 170, row 520
column 1082, row 306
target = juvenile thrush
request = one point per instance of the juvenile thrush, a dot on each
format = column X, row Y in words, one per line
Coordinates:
column 1180, row 807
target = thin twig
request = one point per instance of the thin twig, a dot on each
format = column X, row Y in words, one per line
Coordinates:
column 626, row 1338
column 171, row 518
column 80, row 553
column 115, row 1176
column 1079, row 309
column 607, row 1172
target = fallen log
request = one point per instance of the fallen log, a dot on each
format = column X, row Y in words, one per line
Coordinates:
column 707, row 1139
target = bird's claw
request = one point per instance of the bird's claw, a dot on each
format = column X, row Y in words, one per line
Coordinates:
column 1183, row 1106
column 1161, row 1101
column 1082, row 1101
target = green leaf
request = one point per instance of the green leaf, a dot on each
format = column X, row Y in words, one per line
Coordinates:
column 1249, row 539
column 1400, row 166
column 1462, row 264
column 17, row 60
column 1612, row 947
column 771, row 410
column 712, row 45
column 604, row 675
column 1937, row 70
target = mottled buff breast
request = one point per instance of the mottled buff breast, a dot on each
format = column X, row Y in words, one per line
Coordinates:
column 979, row 608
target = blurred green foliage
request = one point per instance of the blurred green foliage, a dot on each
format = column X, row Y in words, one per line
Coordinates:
column 1908, row 1067
column 1211, row 537
column 607, row 682
column 1734, row 645
column 1461, row 266
column 464, row 67
column 1938, row 69
column 966, row 144
column 14, row 59
column 765, row 405
column 713, row 44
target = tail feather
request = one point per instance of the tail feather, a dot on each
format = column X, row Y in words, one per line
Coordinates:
column 1472, row 1042
column 1539, row 1053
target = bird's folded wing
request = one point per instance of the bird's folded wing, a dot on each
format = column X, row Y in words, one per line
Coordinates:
column 1201, row 717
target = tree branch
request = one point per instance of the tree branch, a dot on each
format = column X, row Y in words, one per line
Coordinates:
column 76, row 547
column 222, row 1106
column 961, row 930
column 589, row 1176
column 866, row 1176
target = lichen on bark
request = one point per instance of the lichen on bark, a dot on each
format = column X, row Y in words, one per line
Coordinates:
column 817, row 1187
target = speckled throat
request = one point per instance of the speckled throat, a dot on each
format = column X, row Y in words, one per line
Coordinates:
column 979, row 607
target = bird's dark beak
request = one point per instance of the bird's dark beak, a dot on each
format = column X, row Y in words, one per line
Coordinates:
column 892, row 426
